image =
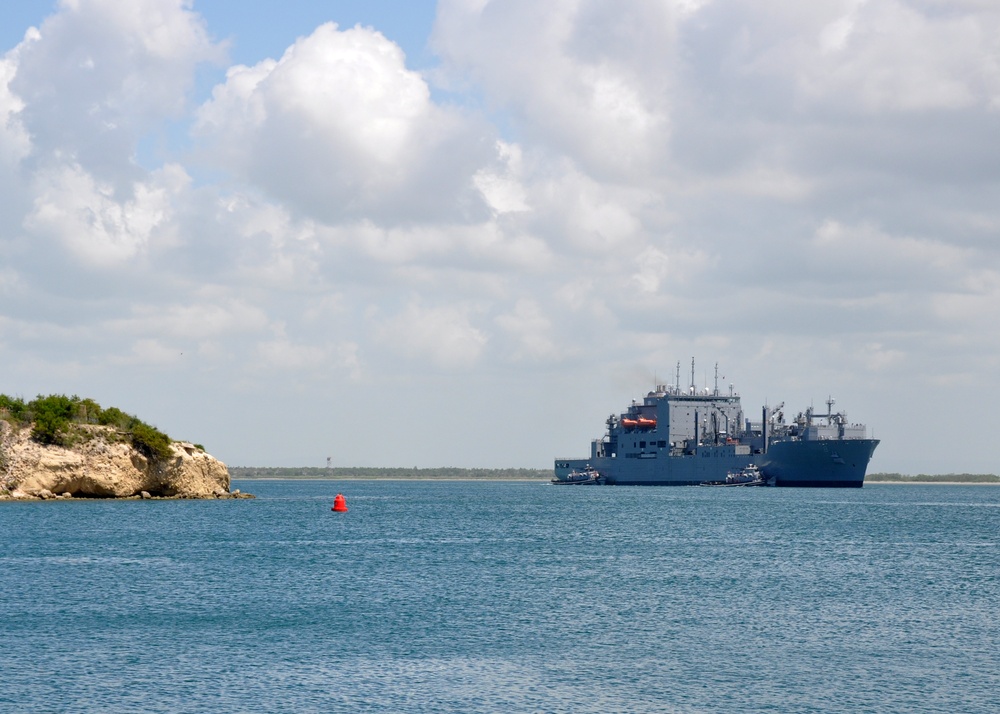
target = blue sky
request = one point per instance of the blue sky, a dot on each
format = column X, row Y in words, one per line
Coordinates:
column 265, row 28
column 463, row 233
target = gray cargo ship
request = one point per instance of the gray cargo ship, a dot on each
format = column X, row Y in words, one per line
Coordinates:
column 681, row 437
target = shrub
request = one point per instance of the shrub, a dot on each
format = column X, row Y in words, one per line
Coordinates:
column 113, row 416
column 52, row 418
column 13, row 407
column 149, row 441
column 88, row 411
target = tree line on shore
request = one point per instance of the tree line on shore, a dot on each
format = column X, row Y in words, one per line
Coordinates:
column 933, row 478
column 451, row 473
column 443, row 473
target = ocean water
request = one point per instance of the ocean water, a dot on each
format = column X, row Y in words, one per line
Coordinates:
column 505, row 597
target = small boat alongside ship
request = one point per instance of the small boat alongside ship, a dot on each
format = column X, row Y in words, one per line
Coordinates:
column 687, row 436
column 747, row 476
column 587, row 476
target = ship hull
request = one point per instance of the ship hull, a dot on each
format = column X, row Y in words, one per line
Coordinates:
column 706, row 463
column 834, row 463
column 838, row 463
column 676, row 471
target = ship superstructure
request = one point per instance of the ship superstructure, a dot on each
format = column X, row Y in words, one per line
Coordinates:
column 690, row 436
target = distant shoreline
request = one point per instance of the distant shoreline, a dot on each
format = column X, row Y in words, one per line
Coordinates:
column 950, row 479
column 276, row 473
column 393, row 478
column 544, row 481
column 932, row 483
column 273, row 473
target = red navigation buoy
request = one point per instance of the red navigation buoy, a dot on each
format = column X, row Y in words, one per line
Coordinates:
column 339, row 503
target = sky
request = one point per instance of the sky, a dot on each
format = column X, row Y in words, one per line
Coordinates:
column 464, row 233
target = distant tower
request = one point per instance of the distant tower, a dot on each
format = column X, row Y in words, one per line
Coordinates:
column 329, row 459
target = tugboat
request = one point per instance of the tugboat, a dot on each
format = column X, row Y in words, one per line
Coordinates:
column 587, row 476
column 747, row 476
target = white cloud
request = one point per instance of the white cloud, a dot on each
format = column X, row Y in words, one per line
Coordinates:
column 445, row 335
column 652, row 268
column 197, row 321
column 84, row 214
column 502, row 188
column 895, row 260
column 531, row 330
column 586, row 215
column 806, row 191
column 483, row 247
column 263, row 243
column 578, row 77
column 877, row 357
column 338, row 127
column 150, row 351
column 766, row 180
column 98, row 74
column 344, row 90
column 15, row 143
column 284, row 354
column 878, row 55
column 974, row 303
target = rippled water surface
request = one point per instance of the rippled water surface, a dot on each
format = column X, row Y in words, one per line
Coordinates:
column 505, row 597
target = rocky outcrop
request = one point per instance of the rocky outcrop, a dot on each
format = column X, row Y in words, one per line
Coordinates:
column 102, row 465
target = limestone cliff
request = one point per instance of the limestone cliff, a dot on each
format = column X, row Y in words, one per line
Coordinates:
column 103, row 465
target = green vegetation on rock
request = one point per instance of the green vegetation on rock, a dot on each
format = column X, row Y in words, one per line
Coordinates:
column 61, row 421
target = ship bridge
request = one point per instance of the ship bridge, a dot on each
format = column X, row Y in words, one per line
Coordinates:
column 676, row 420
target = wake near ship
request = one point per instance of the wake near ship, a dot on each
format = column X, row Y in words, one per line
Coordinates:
column 681, row 437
